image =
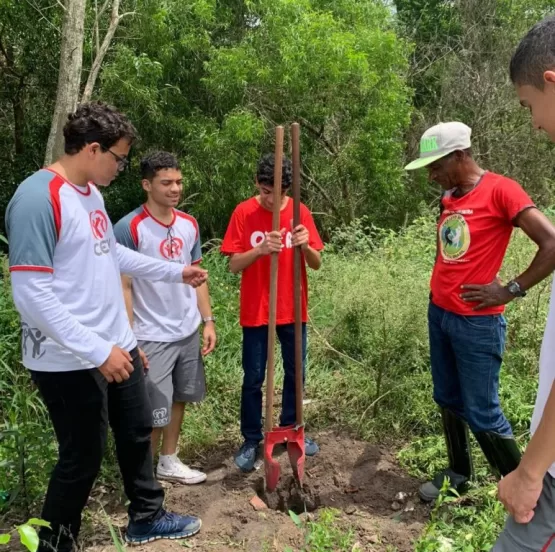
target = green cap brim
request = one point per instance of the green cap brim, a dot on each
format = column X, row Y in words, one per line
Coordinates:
column 424, row 161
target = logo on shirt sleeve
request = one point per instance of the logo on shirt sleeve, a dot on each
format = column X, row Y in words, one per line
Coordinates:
column 454, row 237
column 171, row 248
column 31, row 341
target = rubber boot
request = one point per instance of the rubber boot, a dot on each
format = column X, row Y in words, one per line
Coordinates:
column 460, row 459
column 500, row 451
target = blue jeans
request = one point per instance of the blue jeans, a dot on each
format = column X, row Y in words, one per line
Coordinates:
column 466, row 354
column 255, row 355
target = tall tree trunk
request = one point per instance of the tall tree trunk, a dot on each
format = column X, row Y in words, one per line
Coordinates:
column 69, row 77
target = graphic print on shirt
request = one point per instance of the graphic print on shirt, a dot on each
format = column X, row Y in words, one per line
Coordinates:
column 31, row 341
column 160, row 417
column 257, row 238
column 99, row 227
column 454, row 237
column 171, row 248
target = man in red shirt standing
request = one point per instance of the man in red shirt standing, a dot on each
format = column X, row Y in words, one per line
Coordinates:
column 249, row 241
column 466, row 325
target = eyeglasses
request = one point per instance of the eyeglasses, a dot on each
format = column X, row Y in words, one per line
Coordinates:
column 123, row 162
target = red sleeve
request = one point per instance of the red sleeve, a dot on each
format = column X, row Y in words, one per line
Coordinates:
column 314, row 238
column 511, row 199
column 233, row 241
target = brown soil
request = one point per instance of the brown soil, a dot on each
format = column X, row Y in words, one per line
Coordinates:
column 358, row 479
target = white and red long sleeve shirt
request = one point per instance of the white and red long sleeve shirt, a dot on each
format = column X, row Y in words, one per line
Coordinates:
column 65, row 269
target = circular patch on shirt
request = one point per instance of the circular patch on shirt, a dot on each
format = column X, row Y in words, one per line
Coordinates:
column 454, row 237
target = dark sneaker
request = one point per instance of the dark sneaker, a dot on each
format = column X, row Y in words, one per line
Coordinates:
column 310, row 447
column 166, row 526
column 429, row 491
column 247, row 455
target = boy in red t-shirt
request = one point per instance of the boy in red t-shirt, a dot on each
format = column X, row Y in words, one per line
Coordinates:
column 249, row 241
column 466, row 326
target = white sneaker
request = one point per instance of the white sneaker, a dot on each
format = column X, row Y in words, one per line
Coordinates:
column 171, row 468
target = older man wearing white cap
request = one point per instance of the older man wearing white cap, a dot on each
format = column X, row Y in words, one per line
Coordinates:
column 466, row 325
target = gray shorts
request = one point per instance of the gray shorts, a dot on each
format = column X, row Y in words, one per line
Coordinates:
column 175, row 374
column 539, row 534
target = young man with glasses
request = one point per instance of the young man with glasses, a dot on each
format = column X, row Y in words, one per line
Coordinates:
column 166, row 317
column 77, row 342
column 249, row 241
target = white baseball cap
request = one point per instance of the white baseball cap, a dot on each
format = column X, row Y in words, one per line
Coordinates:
column 439, row 141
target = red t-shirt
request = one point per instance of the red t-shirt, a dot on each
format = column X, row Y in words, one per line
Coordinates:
column 246, row 230
column 474, row 233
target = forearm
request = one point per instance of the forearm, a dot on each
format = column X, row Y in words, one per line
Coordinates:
column 203, row 300
column 312, row 257
column 541, row 267
column 240, row 261
column 540, row 453
column 39, row 307
column 127, row 285
column 146, row 268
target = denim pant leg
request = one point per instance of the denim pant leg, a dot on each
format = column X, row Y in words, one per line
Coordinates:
column 479, row 343
column 255, row 354
column 447, row 390
column 286, row 335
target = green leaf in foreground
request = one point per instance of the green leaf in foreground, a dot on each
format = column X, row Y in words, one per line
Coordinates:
column 29, row 537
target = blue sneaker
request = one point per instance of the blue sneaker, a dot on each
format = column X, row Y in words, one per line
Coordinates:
column 247, row 455
column 310, row 447
column 165, row 526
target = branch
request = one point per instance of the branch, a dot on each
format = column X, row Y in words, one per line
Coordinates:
column 101, row 54
column 325, row 195
column 95, row 27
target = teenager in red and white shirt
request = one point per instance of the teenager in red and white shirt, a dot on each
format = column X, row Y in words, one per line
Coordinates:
column 165, row 316
column 250, row 241
column 76, row 341
column 479, row 210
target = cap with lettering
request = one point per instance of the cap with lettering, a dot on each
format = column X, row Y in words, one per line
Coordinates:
column 439, row 141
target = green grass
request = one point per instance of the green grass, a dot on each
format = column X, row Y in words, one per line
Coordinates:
column 368, row 372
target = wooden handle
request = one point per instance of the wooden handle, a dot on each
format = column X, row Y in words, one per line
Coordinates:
column 273, row 282
column 296, row 147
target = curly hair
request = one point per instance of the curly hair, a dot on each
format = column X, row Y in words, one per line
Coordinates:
column 265, row 171
column 96, row 122
column 157, row 161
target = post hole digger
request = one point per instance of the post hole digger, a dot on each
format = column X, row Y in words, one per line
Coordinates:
column 293, row 436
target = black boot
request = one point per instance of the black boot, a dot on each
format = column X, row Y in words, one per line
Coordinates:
column 460, row 459
column 501, row 452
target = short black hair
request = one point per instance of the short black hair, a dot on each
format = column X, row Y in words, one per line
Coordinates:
column 158, row 161
column 534, row 55
column 96, row 122
column 265, row 171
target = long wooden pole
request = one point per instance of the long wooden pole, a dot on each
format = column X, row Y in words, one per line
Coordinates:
column 295, row 139
column 273, row 282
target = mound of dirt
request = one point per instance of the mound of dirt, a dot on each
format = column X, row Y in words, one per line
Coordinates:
column 376, row 500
